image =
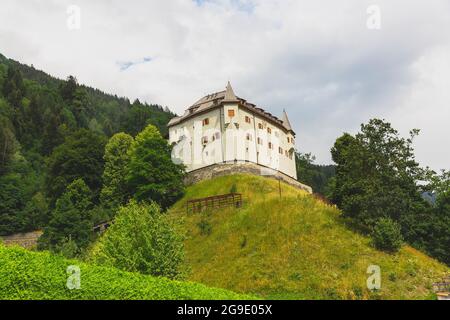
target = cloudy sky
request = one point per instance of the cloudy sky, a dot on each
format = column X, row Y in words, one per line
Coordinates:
column 326, row 62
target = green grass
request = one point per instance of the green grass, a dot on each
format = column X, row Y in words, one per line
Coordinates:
column 295, row 247
column 35, row 276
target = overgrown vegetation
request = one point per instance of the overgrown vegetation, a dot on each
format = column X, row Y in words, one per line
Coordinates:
column 43, row 276
column 378, row 177
column 387, row 235
column 296, row 247
column 141, row 240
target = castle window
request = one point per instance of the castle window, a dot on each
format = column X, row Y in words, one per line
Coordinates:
column 205, row 140
column 231, row 113
column 205, row 121
column 280, row 150
column 260, row 126
column 289, row 140
column 259, row 140
column 249, row 137
column 247, row 119
column 286, row 153
column 270, row 145
column 269, row 131
column 292, row 140
column 290, row 155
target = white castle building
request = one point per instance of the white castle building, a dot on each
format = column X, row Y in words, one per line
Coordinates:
column 223, row 128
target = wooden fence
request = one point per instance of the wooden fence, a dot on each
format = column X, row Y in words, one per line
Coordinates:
column 214, row 202
column 443, row 286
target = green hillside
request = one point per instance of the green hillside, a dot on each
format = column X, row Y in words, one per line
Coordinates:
column 295, row 247
column 30, row 275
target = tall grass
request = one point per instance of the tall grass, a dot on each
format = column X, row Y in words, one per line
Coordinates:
column 294, row 247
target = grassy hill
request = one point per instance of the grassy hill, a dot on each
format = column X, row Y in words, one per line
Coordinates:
column 293, row 247
column 31, row 275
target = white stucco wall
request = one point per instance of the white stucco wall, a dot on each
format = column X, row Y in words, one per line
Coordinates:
column 227, row 140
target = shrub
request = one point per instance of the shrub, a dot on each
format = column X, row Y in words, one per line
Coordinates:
column 141, row 239
column 387, row 236
column 205, row 227
column 29, row 275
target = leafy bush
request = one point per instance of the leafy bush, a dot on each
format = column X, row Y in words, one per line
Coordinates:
column 387, row 236
column 205, row 227
column 42, row 276
column 141, row 239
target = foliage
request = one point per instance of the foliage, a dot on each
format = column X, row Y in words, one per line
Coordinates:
column 387, row 236
column 141, row 240
column 205, row 227
column 70, row 219
column 29, row 275
column 152, row 176
column 21, row 206
column 376, row 174
column 8, row 144
column 79, row 157
column 316, row 176
column 38, row 113
column 114, row 192
column 279, row 248
column 377, row 177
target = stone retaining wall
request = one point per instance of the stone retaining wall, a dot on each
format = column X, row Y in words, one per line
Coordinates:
column 27, row 240
column 225, row 169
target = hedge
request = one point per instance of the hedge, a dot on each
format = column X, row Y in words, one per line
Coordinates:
column 30, row 275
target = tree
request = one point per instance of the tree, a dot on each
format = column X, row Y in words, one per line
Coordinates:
column 80, row 156
column 13, row 87
column 152, row 176
column 17, row 187
column 141, row 239
column 387, row 236
column 376, row 174
column 68, row 88
column 316, row 176
column 115, row 191
column 377, row 177
column 8, row 144
column 11, row 197
column 71, row 218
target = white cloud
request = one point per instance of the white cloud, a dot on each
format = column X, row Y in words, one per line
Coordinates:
column 317, row 59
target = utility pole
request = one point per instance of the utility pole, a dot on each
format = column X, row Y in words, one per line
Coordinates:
column 279, row 186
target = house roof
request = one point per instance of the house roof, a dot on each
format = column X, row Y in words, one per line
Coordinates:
column 217, row 99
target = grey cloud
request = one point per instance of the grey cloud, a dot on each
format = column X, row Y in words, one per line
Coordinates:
column 316, row 59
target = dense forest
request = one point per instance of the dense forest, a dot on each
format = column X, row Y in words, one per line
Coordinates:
column 53, row 135
column 314, row 175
